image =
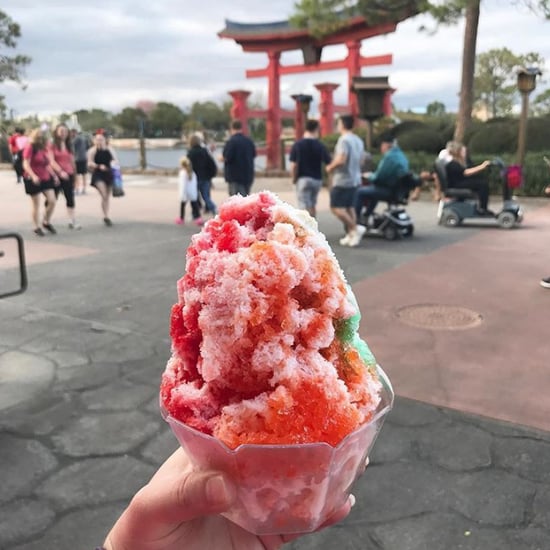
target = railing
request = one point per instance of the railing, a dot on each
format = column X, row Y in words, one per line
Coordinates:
column 23, row 282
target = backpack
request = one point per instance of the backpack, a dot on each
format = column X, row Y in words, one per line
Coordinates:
column 211, row 168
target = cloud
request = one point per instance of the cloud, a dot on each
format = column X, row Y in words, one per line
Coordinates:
column 110, row 54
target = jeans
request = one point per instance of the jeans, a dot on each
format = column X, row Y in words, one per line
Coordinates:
column 204, row 190
column 373, row 194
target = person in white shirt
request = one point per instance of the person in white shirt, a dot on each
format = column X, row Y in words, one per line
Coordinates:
column 188, row 192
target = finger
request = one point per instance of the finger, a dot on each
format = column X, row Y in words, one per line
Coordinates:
column 185, row 496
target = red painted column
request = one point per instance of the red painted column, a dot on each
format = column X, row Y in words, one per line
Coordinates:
column 354, row 69
column 273, row 123
column 326, row 106
column 388, row 109
column 239, row 109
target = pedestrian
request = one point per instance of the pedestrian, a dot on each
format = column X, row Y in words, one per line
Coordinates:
column 238, row 155
column 62, row 161
column 181, row 508
column 39, row 177
column 101, row 158
column 205, row 168
column 81, row 144
column 188, row 192
column 306, row 163
column 17, row 143
column 346, row 178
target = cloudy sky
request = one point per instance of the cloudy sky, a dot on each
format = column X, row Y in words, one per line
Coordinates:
column 113, row 53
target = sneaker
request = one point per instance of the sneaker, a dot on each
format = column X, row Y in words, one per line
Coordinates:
column 361, row 230
column 179, row 221
column 354, row 239
column 545, row 282
column 199, row 221
column 74, row 225
column 49, row 227
column 344, row 241
column 107, row 222
column 38, row 231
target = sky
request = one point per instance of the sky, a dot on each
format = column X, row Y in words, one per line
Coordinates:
column 113, row 53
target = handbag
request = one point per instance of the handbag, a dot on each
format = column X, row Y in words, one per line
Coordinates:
column 118, row 189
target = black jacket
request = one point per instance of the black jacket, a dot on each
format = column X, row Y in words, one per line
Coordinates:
column 238, row 154
column 200, row 161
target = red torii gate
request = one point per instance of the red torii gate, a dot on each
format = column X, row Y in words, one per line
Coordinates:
column 275, row 38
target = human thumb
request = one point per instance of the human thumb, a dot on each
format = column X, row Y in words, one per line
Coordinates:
column 169, row 501
column 192, row 495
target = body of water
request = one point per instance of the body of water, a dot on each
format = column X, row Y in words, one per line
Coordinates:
column 167, row 158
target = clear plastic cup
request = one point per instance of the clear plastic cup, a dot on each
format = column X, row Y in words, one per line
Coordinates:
column 284, row 489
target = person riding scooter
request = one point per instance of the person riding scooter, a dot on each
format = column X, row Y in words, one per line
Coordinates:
column 459, row 176
column 393, row 166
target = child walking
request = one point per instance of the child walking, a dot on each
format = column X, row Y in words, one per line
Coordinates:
column 188, row 190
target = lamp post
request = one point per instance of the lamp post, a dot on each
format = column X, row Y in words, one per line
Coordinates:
column 303, row 103
column 527, row 82
column 371, row 93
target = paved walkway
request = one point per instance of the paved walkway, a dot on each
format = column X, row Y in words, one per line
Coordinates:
column 82, row 351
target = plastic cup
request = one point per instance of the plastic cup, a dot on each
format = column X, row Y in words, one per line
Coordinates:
column 284, row 489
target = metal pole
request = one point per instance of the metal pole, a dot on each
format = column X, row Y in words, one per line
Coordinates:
column 522, row 132
column 368, row 136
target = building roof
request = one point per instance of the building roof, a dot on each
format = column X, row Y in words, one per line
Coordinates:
column 283, row 36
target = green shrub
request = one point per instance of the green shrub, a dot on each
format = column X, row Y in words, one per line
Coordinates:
column 494, row 139
column 538, row 134
column 421, row 139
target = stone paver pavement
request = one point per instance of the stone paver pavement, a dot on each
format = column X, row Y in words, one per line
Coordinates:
column 81, row 354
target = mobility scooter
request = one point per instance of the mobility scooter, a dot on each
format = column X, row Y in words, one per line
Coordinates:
column 461, row 204
column 394, row 222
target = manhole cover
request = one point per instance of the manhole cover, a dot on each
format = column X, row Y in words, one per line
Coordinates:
column 439, row 317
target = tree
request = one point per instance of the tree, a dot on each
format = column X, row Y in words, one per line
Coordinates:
column 93, row 119
column 129, row 120
column 209, row 116
column 436, row 109
column 495, row 82
column 3, row 108
column 167, row 120
column 11, row 66
column 314, row 15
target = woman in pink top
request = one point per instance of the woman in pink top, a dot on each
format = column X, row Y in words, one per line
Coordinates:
column 39, row 177
column 62, row 161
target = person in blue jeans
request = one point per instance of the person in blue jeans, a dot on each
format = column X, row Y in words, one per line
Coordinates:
column 307, row 157
column 205, row 168
column 393, row 166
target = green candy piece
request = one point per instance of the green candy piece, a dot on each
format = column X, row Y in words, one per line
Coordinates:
column 347, row 331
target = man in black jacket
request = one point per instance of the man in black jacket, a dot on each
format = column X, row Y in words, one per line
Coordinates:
column 238, row 155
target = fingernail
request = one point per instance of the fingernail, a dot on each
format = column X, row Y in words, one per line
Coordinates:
column 217, row 492
column 352, row 500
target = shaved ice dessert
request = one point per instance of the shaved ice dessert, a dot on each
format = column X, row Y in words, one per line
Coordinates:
column 268, row 379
